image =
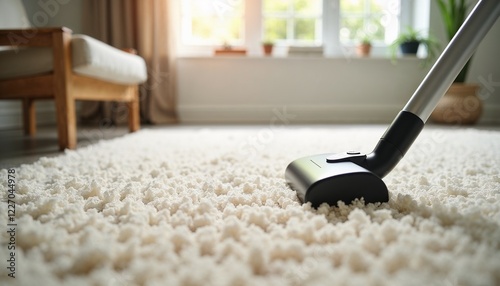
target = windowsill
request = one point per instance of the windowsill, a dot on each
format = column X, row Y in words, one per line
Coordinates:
column 344, row 51
column 304, row 57
column 378, row 53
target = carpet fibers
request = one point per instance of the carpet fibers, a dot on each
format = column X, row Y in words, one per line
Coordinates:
column 210, row 206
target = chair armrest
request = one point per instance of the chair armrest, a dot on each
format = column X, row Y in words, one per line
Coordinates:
column 30, row 37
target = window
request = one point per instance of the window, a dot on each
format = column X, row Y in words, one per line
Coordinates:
column 333, row 24
column 377, row 20
column 212, row 22
column 294, row 22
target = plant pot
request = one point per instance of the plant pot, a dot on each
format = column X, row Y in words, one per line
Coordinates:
column 409, row 48
column 363, row 50
column 460, row 105
column 268, row 49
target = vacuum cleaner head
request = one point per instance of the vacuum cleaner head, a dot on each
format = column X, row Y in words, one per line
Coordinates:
column 329, row 178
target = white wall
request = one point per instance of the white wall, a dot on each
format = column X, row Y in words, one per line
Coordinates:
column 43, row 13
column 313, row 89
column 53, row 13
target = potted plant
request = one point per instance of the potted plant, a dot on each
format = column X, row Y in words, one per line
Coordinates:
column 364, row 47
column 267, row 46
column 410, row 40
column 460, row 104
column 228, row 50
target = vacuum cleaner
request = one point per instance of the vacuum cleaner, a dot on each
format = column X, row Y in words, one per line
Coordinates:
column 330, row 178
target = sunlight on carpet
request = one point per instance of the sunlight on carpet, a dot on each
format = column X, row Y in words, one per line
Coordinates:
column 210, row 206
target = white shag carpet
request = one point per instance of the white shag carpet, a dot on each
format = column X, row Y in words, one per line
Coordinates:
column 210, row 206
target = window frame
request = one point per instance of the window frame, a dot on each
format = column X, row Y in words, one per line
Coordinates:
column 253, row 31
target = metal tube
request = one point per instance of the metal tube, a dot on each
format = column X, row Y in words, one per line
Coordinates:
column 453, row 58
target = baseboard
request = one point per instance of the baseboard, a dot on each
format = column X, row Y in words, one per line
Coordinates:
column 293, row 114
column 304, row 114
column 10, row 115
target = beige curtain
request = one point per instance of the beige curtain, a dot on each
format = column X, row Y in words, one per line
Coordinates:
column 148, row 27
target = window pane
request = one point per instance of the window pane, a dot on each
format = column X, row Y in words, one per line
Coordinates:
column 213, row 21
column 305, row 29
column 201, row 28
column 351, row 29
column 216, row 7
column 211, row 29
column 375, row 29
column 201, row 8
column 276, row 6
column 275, row 29
column 235, row 29
column 352, row 6
column 377, row 6
column 293, row 21
column 376, row 19
column 307, row 6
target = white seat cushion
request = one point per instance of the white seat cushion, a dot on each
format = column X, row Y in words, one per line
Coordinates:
column 96, row 59
column 90, row 58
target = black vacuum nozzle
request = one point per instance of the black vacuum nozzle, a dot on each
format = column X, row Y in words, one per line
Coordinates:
column 317, row 181
column 329, row 178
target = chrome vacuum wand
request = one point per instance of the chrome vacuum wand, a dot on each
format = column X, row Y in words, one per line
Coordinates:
column 329, row 178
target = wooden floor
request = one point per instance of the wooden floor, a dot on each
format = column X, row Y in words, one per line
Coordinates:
column 17, row 148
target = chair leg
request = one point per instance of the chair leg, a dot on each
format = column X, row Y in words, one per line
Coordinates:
column 29, row 117
column 65, row 103
column 134, row 122
column 66, row 122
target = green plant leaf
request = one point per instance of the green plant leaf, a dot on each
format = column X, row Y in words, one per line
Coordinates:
column 454, row 13
column 446, row 15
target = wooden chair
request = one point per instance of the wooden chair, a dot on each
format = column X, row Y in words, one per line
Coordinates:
column 62, row 84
